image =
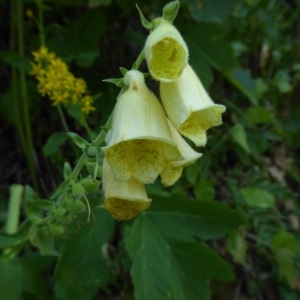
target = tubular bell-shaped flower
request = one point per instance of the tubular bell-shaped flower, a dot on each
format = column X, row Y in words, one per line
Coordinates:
column 123, row 199
column 189, row 107
column 140, row 143
column 174, row 170
column 166, row 52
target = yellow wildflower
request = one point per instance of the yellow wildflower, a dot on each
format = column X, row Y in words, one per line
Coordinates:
column 123, row 199
column 173, row 171
column 189, row 107
column 166, row 52
column 58, row 83
column 140, row 143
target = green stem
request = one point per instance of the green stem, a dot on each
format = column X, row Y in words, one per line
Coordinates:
column 14, row 78
column 99, row 139
column 62, row 118
column 41, row 21
column 15, row 199
column 87, row 127
column 139, row 61
column 24, row 97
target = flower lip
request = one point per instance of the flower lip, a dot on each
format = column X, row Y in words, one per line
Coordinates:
column 166, row 52
column 123, row 200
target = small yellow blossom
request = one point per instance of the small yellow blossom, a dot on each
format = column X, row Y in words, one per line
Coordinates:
column 125, row 199
column 166, row 52
column 140, row 143
column 57, row 82
column 189, row 107
column 173, row 171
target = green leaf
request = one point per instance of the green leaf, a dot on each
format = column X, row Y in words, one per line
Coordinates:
column 78, row 140
column 82, row 269
column 96, row 3
column 9, row 241
column 35, row 208
column 19, row 62
column 211, row 10
column 41, row 238
column 204, row 190
column 255, row 197
column 11, row 279
column 177, row 216
column 170, row 10
column 259, row 114
column 243, row 81
column 209, row 42
column 239, row 135
column 285, row 246
column 67, row 170
column 171, row 269
column 35, row 282
column 144, row 21
column 79, row 44
column 54, row 142
column 237, row 246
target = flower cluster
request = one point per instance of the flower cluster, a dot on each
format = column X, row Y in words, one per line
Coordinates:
column 145, row 140
column 58, row 83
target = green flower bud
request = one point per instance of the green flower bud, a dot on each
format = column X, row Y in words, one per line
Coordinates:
column 92, row 151
column 56, row 229
column 90, row 185
column 59, row 211
column 75, row 206
column 77, row 190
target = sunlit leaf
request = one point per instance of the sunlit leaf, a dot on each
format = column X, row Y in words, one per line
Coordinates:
column 255, row 197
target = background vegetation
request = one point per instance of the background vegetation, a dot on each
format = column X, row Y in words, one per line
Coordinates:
column 229, row 229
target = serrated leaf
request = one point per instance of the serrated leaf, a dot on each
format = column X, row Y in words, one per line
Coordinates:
column 78, row 140
column 239, row 135
column 170, row 10
column 11, row 279
column 82, row 269
column 255, row 197
column 178, row 216
column 54, row 142
column 171, row 269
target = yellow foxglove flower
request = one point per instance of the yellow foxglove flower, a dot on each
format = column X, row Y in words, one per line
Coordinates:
column 189, row 107
column 123, row 199
column 166, row 52
column 140, row 143
column 174, row 170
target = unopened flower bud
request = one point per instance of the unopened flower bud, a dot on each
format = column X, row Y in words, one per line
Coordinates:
column 56, row 229
column 90, row 185
column 77, row 190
